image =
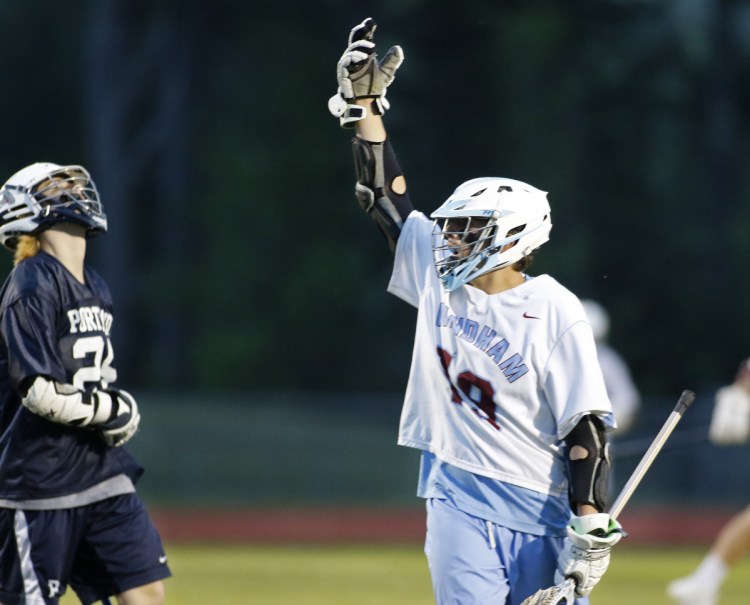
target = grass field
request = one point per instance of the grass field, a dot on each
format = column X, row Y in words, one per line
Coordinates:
column 389, row 575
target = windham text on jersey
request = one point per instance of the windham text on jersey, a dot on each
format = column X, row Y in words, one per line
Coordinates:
column 484, row 338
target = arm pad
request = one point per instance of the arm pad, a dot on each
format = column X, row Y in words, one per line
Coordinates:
column 588, row 461
column 113, row 411
column 65, row 404
column 376, row 167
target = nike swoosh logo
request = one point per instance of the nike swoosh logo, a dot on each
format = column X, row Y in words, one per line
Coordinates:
column 163, row 559
column 527, row 316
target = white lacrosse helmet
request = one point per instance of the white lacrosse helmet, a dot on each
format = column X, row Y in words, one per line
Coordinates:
column 43, row 194
column 480, row 218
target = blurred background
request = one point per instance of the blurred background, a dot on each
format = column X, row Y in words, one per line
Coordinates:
column 251, row 314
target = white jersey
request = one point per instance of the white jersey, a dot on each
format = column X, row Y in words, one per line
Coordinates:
column 496, row 380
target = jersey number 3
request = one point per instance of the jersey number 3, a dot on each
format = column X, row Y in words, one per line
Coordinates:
column 475, row 390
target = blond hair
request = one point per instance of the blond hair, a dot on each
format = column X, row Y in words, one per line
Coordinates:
column 27, row 246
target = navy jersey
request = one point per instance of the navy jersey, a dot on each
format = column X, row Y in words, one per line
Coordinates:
column 52, row 325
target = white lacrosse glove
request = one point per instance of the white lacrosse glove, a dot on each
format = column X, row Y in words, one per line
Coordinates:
column 361, row 76
column 124, row 419
column 730, row 421
column 585, row 554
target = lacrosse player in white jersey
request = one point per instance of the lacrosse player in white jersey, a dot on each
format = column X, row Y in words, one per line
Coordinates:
column 622, row 391
column 505, row 397
column 730, row 425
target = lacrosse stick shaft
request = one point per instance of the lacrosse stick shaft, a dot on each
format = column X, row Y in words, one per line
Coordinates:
column 683, row 404
column 565, row 591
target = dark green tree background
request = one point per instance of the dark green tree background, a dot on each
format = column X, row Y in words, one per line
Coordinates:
column 237, row 255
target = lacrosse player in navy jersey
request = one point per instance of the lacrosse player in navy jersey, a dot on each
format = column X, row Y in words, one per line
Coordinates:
column 69, row 514
column 505, row 397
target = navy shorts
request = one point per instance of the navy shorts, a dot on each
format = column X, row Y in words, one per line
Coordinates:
column 99, row 550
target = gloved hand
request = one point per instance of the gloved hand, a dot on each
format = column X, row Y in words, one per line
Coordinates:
column 585, row 554
column 730, row 421
column 361, row 76
column 124, row 417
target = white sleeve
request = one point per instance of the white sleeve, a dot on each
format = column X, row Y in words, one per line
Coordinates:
column 573, row 381
column 413, row 259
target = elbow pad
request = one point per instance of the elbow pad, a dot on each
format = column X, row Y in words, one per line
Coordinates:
column 376, row 167
column 588, row 462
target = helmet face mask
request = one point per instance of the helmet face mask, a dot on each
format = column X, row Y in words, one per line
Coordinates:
column 44, row 194
column 485, row 225
column 461, row 242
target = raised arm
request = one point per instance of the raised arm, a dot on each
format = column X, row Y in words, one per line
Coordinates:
column 360, row 103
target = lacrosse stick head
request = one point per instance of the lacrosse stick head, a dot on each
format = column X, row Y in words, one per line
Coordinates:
column 565, row 592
